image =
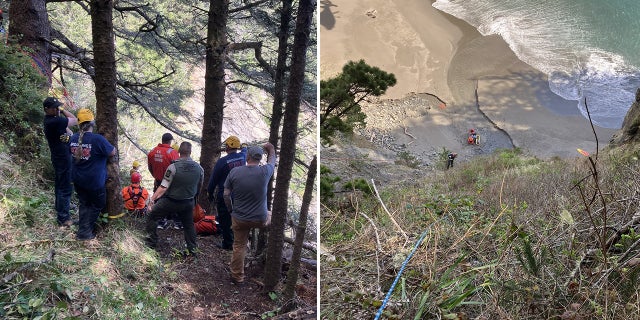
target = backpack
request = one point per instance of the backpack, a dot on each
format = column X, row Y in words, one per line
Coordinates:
column 206, row 226
column 198, row 213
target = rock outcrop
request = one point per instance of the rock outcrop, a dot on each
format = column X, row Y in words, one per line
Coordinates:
column 630, row 126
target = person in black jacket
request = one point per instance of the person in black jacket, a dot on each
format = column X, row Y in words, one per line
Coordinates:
column 56, row 130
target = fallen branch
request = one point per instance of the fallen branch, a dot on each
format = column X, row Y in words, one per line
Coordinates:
column 406, row 238
column 229, row 315
column 625, row 229
column 306, row 245
column 407, row 133
column 12, row 275
column 377, row 248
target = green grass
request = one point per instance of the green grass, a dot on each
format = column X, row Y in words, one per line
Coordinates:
column 506, row 233
column 46, row 274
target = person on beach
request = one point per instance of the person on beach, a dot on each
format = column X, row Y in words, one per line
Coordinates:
column 89, row 172
column 473, row 137
column 158, row 160
column 177, row 194
column 57, row 123
column 235, row 157
column 245, row 194
column 450, row 157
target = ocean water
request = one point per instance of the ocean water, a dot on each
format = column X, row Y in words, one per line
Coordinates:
column 588, row 48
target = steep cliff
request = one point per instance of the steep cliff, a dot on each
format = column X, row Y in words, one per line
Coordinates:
column 630, row 126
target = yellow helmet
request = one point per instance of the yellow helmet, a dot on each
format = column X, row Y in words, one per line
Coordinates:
column 85, row 115
column 136, row 163
column 232, row 142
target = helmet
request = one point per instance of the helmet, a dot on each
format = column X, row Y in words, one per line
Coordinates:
column 136, row 177
column 175, row 147
column 472, row 130
column 232, row 142
column 85, row 115
column 136, row 163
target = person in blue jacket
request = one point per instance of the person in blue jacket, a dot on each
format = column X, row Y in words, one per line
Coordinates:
column 236, row 157
column 90, row 153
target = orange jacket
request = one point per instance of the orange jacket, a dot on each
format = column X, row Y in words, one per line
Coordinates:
column 135, row 196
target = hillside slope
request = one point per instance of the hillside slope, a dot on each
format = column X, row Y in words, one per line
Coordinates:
column 501, row 235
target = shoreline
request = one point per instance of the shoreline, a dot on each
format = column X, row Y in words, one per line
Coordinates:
column 485, row 86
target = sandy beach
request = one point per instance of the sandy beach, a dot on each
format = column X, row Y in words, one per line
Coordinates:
column 480, row 80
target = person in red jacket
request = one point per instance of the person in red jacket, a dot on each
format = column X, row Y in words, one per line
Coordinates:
column 158, row 160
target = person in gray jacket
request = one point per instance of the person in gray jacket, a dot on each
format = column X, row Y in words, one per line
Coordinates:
column 177, row 193
column 245, row 193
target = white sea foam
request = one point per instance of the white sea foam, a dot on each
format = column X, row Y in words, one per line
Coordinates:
column 551, row 37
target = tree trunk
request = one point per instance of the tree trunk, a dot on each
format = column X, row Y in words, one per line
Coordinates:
column 292, row 275
column 278, row 100
column 273, row 267
column 106, row 100
column 214, row 88
column 30, row 26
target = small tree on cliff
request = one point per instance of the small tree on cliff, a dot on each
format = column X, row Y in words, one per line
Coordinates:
column 340, row 97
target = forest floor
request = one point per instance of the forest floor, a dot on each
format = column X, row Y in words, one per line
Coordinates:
column 202, row 287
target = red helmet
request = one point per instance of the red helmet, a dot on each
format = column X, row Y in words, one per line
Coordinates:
column 472, row 130
column 136, row 177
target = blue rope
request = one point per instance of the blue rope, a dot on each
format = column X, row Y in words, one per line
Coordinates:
column 395, row 282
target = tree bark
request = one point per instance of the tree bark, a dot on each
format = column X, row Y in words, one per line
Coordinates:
column 278, row 101
column 292, row 275
column 273, row 266
column 30, row 28
column 106, row 99
column 214, row 88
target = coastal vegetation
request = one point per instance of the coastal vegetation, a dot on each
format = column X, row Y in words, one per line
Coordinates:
column 502, row 236
column 341, row 96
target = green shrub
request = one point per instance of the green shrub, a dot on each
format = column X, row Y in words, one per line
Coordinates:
column 326, row 183
column 407, row 159
column 21, row 95
column 358, row 184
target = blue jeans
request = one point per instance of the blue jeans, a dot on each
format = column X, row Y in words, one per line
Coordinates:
column 224, row 222
column 63, row 189
column 91, row 203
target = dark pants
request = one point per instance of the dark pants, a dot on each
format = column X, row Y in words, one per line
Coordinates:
column 449, row 163
column 174, row 217
column 224, row 223
column 166, row 207
column 63, row 189
column 91, row 203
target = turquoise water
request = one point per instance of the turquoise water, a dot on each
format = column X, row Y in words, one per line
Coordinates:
column 588, row 48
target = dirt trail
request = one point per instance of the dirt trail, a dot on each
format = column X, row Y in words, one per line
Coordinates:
column 202, row 288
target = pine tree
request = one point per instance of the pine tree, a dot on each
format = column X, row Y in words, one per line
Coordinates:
column 340, row 97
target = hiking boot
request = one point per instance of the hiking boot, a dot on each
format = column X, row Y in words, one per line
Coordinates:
column 177, row 225
column 237, row 282
column 163, row 224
